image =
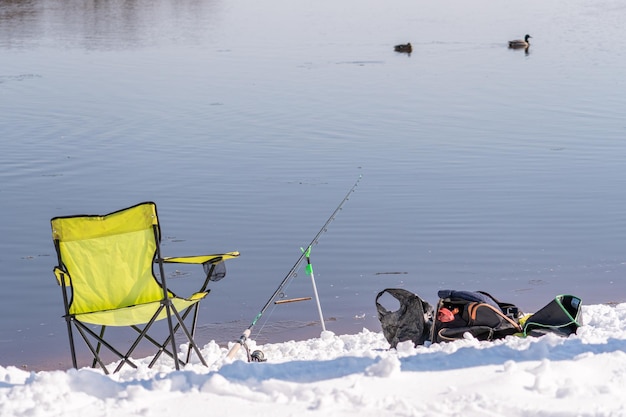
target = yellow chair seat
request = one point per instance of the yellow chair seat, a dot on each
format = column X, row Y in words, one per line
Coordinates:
column 137, row 314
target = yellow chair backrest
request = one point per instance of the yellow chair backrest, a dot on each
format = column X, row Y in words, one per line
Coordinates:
column 109, row 258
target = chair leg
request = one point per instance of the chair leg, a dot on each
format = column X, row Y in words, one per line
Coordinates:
column 169, row 308
column 68, row 320
column 193, row 331
column 68, row 317
column 166, row 302
column 124, row 358
column 93, row 364
column 189, row 337
column 141, row 336
column 194, row 322
column 161, row 347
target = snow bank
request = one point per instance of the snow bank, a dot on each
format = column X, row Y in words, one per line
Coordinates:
column 350, row 375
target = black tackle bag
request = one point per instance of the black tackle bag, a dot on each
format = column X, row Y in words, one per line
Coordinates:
column 412, row 321
column 473, row 312
column 561, row 316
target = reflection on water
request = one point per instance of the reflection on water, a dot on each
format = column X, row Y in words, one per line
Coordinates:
column 103, row 25
column 246, row 122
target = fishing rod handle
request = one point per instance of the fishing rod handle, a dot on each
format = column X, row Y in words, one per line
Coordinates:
column 233, row 351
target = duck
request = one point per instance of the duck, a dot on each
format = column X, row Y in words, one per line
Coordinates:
column 407, row 48
column 520, row 43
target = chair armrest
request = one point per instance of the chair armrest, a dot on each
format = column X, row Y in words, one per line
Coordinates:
column 213, row 265
column 201, row 259
column 61, row 276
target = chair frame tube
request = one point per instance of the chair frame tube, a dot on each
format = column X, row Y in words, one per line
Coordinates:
column 166, row 299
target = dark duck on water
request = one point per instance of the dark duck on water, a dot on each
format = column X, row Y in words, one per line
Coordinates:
column 520, row 43
column 405, row 47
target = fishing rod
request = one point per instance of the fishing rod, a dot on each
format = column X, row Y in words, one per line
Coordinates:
column 242, row 340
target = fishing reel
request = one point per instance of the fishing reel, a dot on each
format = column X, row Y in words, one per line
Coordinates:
column 255, row 356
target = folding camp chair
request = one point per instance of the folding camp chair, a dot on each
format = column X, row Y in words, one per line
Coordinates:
column 106, row 273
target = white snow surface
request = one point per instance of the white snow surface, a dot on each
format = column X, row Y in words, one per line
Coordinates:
column 354, row 375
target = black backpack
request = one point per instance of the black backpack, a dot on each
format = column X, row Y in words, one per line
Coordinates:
column 412, row 321
column 561, row 316
column 473, row 312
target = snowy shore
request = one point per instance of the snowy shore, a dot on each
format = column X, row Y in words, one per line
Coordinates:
column 355, row 375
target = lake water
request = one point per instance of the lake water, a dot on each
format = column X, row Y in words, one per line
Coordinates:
column 247, row 123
